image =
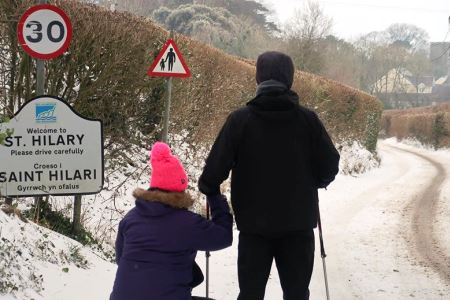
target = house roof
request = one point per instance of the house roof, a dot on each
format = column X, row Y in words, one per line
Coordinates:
column 400, row 80
column 442, row 80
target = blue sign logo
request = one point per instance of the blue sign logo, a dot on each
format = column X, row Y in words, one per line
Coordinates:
column 45, row 113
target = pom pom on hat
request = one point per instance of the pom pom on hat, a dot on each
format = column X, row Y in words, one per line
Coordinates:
column 168, row 173
column 160, row 151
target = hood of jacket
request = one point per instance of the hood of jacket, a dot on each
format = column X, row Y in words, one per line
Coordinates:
column 156, row 203
column 274, row 101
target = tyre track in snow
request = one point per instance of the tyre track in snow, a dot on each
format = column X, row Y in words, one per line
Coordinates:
column 423, row 213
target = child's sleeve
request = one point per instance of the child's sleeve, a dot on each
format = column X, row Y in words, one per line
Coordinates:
column 214, row 234
column 119, row 242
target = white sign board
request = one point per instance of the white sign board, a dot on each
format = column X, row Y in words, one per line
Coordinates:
column 52, row 151
column 44, row 31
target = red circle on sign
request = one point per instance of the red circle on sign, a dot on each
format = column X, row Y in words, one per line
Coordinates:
column 23, row 42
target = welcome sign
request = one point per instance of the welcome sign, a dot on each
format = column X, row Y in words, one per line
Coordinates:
column 52, row 151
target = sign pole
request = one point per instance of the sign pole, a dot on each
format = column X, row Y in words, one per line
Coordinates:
column 165, row 137
column 40, row 90
column 76, row 225
column 40, row 70
column 40, row 77
column 44, row 32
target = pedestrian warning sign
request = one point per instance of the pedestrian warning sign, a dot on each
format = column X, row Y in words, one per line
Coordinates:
column 169, row 62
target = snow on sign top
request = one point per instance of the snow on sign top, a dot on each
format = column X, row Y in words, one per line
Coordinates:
column 44, row 31
column 169, row 62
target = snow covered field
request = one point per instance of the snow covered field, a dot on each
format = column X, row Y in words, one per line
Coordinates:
column 370, row 238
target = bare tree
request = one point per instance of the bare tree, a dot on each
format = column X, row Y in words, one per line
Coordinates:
column 341, row 61
column 303, row 33
column 408, row 36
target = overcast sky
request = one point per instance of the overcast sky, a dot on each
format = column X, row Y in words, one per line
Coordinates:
column 352, row 18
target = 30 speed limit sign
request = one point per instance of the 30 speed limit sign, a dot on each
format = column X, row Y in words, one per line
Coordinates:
column 44, row 31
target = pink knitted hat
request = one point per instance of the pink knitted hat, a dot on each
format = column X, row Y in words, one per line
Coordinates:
column 167, row 171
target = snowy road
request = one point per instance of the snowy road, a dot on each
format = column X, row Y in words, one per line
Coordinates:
column 386, row 233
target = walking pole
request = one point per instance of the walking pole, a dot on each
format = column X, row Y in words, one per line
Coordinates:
column 207, row 257
column 323, row 254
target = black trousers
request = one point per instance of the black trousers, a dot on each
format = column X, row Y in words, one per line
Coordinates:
column 294, row 257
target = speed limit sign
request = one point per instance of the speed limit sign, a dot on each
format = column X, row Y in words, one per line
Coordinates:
column 44, row 31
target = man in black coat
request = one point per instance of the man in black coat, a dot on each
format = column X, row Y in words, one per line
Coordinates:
column 279, row 154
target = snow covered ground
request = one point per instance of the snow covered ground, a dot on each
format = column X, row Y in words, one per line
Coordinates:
column 367, row 222
column 41, row 264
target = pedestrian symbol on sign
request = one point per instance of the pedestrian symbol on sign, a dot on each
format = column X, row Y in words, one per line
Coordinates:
column 172, row 58
column 162, row 64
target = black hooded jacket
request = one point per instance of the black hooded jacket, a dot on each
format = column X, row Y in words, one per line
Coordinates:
column 279, row 154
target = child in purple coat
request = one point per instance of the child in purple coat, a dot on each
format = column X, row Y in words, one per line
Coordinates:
column 158, row 240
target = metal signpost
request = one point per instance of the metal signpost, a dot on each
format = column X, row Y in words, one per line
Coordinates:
column 44, row 32
column 40, row 70
column 169, row 63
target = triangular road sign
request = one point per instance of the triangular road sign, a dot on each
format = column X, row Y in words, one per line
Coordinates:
column 169, row 62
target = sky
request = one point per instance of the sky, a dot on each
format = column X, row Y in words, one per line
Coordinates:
column 352, row 18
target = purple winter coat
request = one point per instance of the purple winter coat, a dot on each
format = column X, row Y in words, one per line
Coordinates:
column 157, row 242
